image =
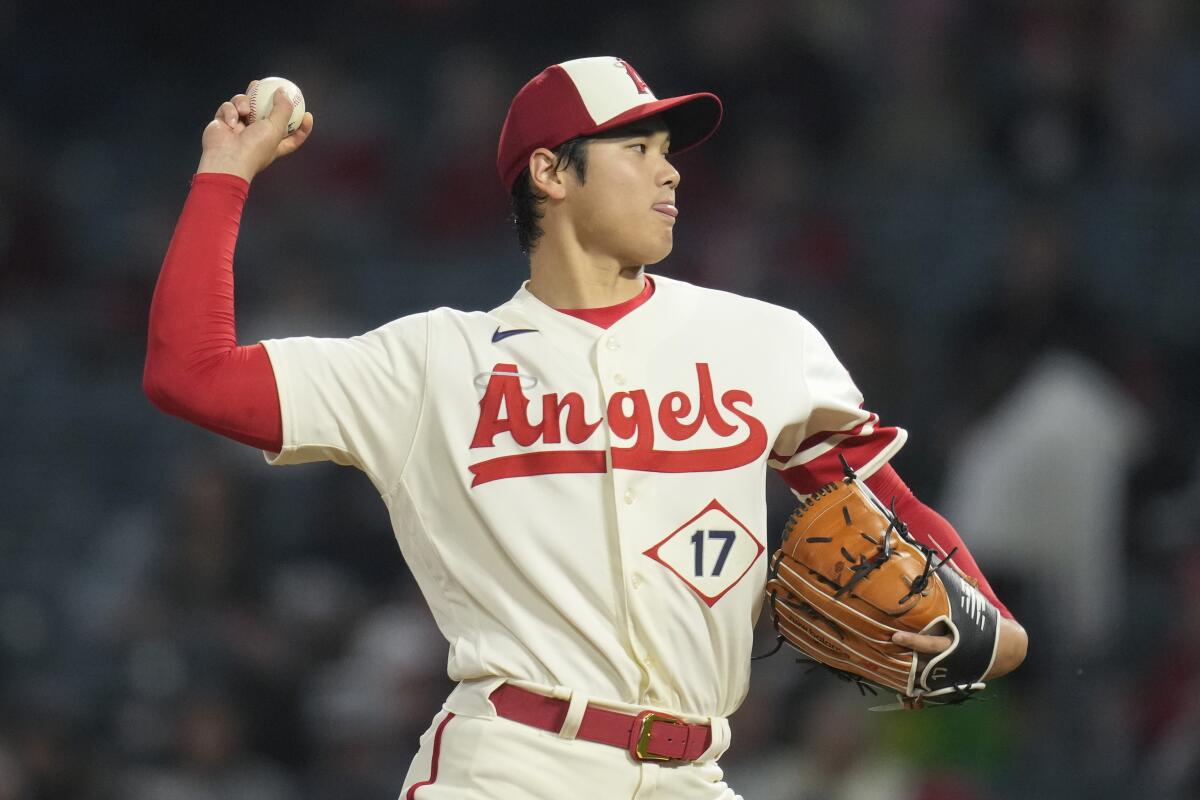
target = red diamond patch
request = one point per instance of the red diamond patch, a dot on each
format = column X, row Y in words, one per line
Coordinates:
column 710, row 552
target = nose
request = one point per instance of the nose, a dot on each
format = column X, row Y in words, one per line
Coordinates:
column 670, row 176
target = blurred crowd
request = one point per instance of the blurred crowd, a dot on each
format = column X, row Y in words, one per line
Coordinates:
column 990, row 207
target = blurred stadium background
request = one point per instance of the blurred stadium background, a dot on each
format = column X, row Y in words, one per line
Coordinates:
column 991, row 208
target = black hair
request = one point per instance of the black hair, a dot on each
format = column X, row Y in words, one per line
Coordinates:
column 526, row 203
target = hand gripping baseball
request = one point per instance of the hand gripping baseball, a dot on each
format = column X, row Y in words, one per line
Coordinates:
column 234, row 145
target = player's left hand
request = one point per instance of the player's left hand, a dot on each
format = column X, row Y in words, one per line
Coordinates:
column 920, row 643
column 1010, row 649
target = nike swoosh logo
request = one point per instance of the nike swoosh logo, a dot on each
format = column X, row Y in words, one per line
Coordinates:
column 500, row 335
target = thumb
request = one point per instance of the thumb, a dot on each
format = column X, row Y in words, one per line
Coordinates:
column 281, row 108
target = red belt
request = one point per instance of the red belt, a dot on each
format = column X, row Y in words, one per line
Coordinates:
column 648, row 736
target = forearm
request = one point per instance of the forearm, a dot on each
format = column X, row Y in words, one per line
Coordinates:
column 192, row 313
column 1010, row 650
column 194, row 367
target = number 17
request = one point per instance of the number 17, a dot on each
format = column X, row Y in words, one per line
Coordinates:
column 697, row 540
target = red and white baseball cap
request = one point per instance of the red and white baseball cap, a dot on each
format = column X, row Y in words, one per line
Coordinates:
column 587, row 96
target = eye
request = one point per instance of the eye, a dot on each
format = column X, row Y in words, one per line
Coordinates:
column 639, row 147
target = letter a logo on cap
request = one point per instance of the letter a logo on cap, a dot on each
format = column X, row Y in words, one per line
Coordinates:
column 642, row 86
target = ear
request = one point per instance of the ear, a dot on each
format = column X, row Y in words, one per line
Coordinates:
column 543, row 175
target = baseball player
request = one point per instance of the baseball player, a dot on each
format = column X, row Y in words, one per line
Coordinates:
column 575, row 478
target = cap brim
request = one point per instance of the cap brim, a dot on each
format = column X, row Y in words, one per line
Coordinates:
column 692, row 118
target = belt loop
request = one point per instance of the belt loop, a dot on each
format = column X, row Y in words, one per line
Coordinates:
column 720, row 739
column 575, row 709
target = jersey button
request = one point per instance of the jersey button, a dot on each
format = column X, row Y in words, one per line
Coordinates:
column 613, row 344
column 636, row 580
column 629, row 497
column 619, row 379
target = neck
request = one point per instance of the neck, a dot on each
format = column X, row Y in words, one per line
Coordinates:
column 569, row 277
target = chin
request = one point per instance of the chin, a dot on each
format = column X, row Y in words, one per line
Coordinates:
column 649, row 248
column 654, row 258
column 657, row 254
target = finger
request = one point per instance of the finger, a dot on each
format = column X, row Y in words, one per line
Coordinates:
column 242, row 103
column 929, row 645
column 227, row 113
column 292, row 143
column 303, row 130
column 281, row 108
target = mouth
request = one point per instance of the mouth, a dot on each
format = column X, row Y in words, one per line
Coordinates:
column 667, row 209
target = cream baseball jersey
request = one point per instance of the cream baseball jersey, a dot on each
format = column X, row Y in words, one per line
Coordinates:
column 586, row 507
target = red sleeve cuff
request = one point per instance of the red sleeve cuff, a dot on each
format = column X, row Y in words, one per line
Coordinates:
column 234, row 182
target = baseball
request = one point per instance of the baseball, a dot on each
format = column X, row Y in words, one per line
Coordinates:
column 263, row 96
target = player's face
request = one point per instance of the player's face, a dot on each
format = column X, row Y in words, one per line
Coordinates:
column 626, row 206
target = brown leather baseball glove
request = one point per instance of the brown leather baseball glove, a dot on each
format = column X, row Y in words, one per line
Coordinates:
column 849, row 574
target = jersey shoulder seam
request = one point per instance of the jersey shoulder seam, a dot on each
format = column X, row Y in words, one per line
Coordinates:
column 412, row 445
column 802, row 368
column 802, row 356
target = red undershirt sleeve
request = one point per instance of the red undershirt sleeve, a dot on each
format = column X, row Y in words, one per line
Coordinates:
column 930, row 528
column 195, row 368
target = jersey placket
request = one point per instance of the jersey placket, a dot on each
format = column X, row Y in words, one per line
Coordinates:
column 619, row 370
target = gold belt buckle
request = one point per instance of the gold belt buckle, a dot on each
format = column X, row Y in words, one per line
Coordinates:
column 639, row 744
